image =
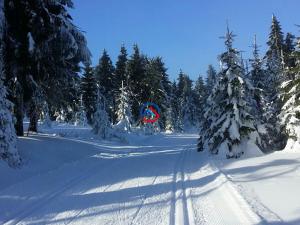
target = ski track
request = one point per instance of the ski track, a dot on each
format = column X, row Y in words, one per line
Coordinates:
column 179, row 189
column 20, row 216
column 181, row 211
column 250, row 199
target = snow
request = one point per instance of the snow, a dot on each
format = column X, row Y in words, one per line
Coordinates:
column 158, row 179
column 31, row 42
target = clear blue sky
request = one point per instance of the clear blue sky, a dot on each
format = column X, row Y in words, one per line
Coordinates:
column 185, row 33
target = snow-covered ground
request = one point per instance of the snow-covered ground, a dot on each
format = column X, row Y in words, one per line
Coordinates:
column 160, row 179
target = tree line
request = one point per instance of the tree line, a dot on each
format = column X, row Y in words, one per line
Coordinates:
column 42, row 53
column 134, row 80
column 257, row 107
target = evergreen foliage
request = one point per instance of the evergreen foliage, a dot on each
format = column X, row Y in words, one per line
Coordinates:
column 228, row 120
column 100, row 123
column 106, row 79
column 124, row 111
column 8, row 139
column 136, row 69
column 89, row 92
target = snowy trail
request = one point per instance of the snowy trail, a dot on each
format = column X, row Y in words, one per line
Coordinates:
column 162, row 183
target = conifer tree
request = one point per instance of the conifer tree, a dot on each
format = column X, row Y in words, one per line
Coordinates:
column 200, row 91
column 290, row 114
column 124, row 111
column 156, row 86
column 175, row 108
column 100, row 123
column 258, row 77
column 45, row 115
column 185, row 95
column 289, row 59
column 16, row 57
column 8, row 139
column 274, row 56
column 228, row 120
column 80, row 116
column 275, row 138
column 106, row 79
column 136, row 74
column 211, row 78
column 47, row 56
column 89, row 92
column 121, row 72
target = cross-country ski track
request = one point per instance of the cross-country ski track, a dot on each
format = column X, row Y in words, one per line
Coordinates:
column 165, row 182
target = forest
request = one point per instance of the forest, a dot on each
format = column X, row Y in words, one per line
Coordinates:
column 47, row 76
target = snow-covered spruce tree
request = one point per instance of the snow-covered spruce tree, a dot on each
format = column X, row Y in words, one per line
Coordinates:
column 156, row 87
column 80, row 116
column 200, row 98
column 290, row 114
column 136, row 68
column 230, row 126
column 258, row 77
column 105, row 77
column 89, row 92
column 8, row 139
column 124, row 111
column 174, row 106
column 288, row 56
column 211, row 78
column 46, row 121
column 275, row 138
column 101, row 124
column 120, row 71
column 16, row 57
column 50, row 48
column 187, row 108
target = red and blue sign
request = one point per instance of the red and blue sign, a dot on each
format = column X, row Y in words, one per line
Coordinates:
column 149, row 112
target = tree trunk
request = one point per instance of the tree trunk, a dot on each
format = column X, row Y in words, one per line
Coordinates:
column 19, row 115
column 33, row 118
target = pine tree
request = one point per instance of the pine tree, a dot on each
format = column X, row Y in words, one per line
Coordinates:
column 45, row 115
column 89, row 92
column 200, row 91
column 175, row 108
column 121, row 76
column 156, row 86
column 121, row 72
column 290, row 114
column 275, row 138
column 136, row 74
column 17, row 57
column 274, row 55
column 289, row 59
column 47, row 56
column 8, row 139
column 124, row 111
column 187, row 111
column 258, row 77
column 80, row 116
column 229, row 122
column 211, row 79
column 106, row 79
column 101, row 124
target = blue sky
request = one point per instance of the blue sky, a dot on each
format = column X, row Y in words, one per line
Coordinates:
column 185, row 33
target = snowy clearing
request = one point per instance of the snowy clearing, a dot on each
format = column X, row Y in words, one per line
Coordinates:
column 159, row 180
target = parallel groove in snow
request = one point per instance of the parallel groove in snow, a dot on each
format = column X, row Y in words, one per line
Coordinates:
column 181, row 211
column 19, row 216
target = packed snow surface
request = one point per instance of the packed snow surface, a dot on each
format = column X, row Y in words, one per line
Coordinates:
column 158, row 179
